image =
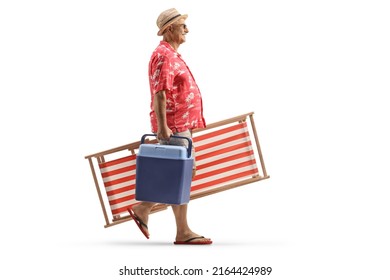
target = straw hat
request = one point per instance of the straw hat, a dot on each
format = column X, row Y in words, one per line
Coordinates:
column 166, row 18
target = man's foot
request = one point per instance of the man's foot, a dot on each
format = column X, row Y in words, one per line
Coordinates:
column 140, row 222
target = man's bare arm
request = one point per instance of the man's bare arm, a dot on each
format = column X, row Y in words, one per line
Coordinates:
column 160, row 102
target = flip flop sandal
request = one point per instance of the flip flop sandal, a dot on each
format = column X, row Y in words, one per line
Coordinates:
column 141, row 225
column 190, row 241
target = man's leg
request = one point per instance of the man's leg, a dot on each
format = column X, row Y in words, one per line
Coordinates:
column 183, row 231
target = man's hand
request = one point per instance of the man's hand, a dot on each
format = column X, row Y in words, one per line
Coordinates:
column 164, row 133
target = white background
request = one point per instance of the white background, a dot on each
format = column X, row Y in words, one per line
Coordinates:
column 73, row 82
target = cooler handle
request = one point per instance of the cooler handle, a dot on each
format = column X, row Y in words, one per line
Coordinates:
column 189, row 149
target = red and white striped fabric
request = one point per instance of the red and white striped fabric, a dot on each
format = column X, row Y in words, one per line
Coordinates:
column 119, row 181
column 222, row 157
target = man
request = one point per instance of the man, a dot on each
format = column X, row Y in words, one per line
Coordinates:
column 176, row 109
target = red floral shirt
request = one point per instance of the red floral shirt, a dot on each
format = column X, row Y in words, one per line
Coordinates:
column 169, row 72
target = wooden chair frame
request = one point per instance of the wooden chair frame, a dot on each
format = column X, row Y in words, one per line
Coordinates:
column 98, row 158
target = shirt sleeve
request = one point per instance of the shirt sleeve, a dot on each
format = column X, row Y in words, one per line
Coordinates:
column 161, row 74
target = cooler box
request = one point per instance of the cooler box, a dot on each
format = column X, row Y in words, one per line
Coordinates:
column 164, row 172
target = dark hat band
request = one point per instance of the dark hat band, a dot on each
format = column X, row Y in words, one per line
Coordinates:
column 171, row 19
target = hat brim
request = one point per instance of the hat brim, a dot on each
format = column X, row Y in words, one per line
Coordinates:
column 161, row 31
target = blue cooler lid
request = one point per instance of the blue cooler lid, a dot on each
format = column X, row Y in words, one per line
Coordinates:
column 162, row 151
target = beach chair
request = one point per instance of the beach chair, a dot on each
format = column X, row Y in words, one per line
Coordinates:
column 225, row 159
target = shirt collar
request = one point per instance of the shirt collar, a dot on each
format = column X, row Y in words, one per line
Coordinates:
column 166, row 44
